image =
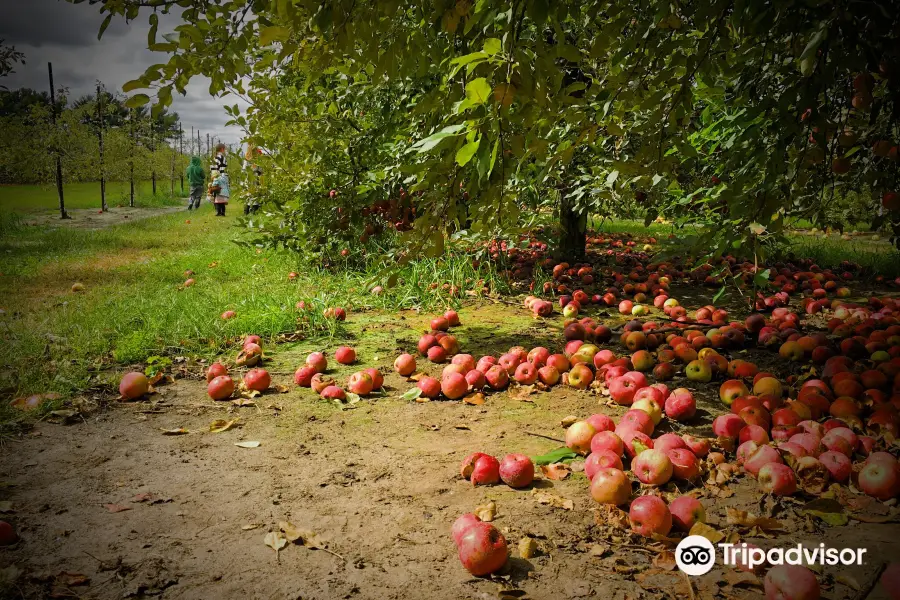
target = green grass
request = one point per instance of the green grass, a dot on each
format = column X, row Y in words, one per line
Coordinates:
column 28, row 198
column 134, row 306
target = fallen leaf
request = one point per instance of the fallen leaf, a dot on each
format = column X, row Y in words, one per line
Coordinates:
column 416, row 377
column 554, row 456
column 737, row 578
column 527, row 547
column 352, row 398
column 177, row 431
column 702, row 529
column 743, row 518
column 552, row 500
column 848, row 580
column 567, row 421
column 281, row 389
column 556, row 471
column 145, row 497
column 412, row 394
column 243, row 402
column 828, row 510
column 114, row 508
column 250, row 526
column 67, row 579
column 476, row 399
column 486, row 512
column 607, row 515
column 6, row 506
column 665, row 560
column 276, row 542
column 247, row 444
column 290, row 531
column 598, row 549
column 522, row 392
column 220, row 425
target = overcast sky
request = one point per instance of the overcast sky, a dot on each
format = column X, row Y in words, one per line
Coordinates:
column 66, row 35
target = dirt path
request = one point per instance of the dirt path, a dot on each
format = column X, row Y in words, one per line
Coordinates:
column 88, row 218
column 377, row 483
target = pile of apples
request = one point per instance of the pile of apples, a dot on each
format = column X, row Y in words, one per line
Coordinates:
column 312, row 374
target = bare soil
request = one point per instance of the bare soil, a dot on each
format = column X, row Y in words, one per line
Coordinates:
column 89, row 218
column 139, row 513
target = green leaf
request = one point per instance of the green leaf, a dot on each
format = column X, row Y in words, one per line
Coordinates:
column 719, row 294
column 134, row 84
column 270, row 35
column 492, row 46
column 411, row 394
column 465, row 154
column 828, row 510
column 611, row 178
column 478, row 91
column 434, row 139
column 104, row 25
column 555, row 456
column 137, row 100
column 761, row 280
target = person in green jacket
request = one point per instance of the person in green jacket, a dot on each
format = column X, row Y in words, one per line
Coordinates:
column 196, row 178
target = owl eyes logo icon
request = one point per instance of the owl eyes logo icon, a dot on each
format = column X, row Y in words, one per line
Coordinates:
column 695, row 555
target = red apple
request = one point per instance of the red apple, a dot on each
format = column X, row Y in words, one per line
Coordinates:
column 454, row 386
column 578, row 437
column 602, row 459
column 601, row 422
column 580, row 377
column 778, row 479
column 791, row 582
column 680, row 405
column 497, row 377
column 607, row 440
column 880, row 479
column 516, row 470
column 482, row 549
column 610, row 486
column 838, row 465
column 649, row 515
column 461, row 525
column 699, row 446
column 685, row 465
column 686, row 512
column 405, row 365
column 652, row 467
column 345, row 355
column 431, row 387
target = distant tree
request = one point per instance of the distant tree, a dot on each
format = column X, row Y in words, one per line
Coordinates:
column 9, row 57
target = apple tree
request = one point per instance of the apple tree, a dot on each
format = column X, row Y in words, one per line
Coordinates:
column 736, row 117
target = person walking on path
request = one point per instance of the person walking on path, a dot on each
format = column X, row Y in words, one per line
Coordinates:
column 196, row 177
column 223, row 194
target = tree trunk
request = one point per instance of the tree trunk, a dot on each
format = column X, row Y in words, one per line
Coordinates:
column 103, row 205
column 572, row 230
column 59, row 176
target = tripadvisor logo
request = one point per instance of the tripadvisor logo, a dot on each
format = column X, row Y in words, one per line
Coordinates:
column 696, row 555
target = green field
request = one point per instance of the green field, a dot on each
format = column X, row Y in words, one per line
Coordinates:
column 28, row 198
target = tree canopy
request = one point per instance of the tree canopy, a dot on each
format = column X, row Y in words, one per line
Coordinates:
column 734, row 115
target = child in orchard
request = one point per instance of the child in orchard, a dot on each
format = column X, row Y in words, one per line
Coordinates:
column 223, row 194
column 196, row 178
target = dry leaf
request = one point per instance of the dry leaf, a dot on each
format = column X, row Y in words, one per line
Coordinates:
column 598, row 549
column 848, row 580
column 220, row 425
column 552, row 500
column 704, row 530
column 67, row 579
column 416, row 376
column 247, row 444
column 476, row 399
column 567, row 421
column 145, row 497
column 607, row 515
column 290, row 531
column 243, row 402
column 176, row 431
column 281, row 389
column 522, row 392
column 743, row 518
column 250, row 526
column 275, row 541
column 6, row 506
column 114, row 508
column 665, row 560
column 556, row 471
column 737, row 578
column 486, row 512
column 527, row 547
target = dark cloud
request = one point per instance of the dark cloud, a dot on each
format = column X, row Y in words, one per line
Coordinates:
column 66, row 35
